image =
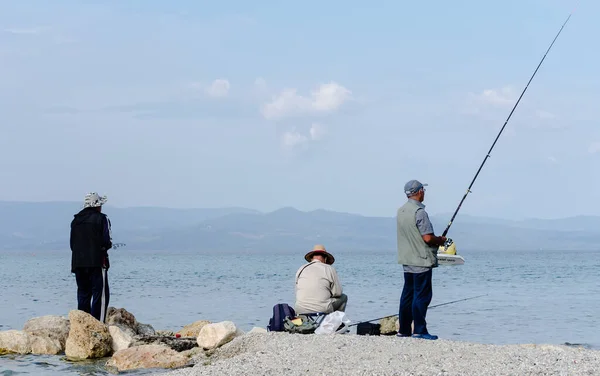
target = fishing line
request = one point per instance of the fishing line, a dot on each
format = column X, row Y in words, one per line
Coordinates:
column 433, row 306
column 506, row 122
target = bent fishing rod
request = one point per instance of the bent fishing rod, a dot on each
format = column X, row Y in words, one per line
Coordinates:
column 433, row 306
column 502, row 129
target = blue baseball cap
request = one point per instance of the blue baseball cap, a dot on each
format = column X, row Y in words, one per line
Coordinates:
column 413, row 187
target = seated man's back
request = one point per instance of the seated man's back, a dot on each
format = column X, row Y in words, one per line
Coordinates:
column 318, row 288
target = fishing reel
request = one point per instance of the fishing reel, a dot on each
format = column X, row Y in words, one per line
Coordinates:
column 448, row 242
column 448, row 248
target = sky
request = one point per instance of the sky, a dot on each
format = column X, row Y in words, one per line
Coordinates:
column 269, row 104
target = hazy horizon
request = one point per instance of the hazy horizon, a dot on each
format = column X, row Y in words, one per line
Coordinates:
column 461, row 212
column 321, row 105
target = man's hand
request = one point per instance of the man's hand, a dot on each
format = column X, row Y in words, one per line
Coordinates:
column 434, row 240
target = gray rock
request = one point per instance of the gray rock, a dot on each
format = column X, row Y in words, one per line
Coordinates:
column 123, row 319
column 177, row 344
column 146, row 356
column 193, row 329
column 88, row 337
column 145, row 330
column 256, row 329
column 21, row 342
column 120, row 340
column 53, row 327
column 165, row 333
column 14, row 341
column 389, row 325
column 215, row 335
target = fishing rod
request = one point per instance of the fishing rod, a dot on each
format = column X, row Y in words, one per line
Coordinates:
column 502, row 129
column 433, row 306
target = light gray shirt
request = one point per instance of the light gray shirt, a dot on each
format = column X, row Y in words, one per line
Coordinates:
column 317, row 286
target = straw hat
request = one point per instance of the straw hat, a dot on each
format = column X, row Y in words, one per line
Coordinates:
column 320, row 249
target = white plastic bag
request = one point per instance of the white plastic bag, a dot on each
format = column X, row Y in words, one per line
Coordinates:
column 331, row 323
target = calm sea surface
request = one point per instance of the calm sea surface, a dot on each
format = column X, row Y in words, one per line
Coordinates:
column 533, row 297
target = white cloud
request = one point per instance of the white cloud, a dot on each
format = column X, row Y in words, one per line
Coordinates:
column 594, row 148
column 326, row 98
column 260, row 83
column 329, row 97
column 24, row 31
column 498, row 97
column 47, row 34
column 317, row 132
column 219, row 88
column 495, row 104
column 503, row 97
column 552, row 159
column 286, row 103
column 293, row 139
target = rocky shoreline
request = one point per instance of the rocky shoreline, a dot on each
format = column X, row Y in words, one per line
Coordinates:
column 206, row 348
column 125, row 343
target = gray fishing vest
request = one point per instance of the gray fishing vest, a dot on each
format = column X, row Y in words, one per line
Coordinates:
column 412, row 249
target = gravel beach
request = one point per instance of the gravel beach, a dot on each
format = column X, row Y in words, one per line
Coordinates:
column 296, row 354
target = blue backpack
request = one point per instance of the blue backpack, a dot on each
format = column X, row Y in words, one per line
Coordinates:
column 280, row 312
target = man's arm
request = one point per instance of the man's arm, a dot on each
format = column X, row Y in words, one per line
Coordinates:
column 71, row 238
column 106, row 233
column 426, row 229
column 336, row 285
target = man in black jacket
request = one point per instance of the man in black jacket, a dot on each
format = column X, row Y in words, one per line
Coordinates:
column 90, row 242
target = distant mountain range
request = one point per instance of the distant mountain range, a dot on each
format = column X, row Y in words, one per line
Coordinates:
column 31, row 226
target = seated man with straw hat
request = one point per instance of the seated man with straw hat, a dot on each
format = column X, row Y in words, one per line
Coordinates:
column 318, row 287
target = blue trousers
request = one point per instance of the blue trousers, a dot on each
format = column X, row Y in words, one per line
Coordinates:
column 92, row 291
column 416, row 296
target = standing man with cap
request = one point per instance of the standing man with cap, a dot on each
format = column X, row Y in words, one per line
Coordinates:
column 318, row 287
column 90, row 241
column 417, row 252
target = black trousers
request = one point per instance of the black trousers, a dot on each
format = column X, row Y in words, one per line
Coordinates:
column 93, row 293
column 416, row 296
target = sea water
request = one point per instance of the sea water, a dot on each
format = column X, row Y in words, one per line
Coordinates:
column 532, row 296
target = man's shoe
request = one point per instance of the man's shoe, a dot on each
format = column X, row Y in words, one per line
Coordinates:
column 425, row 336
column 402, row 335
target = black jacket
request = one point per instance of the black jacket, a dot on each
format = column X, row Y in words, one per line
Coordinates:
column 90, row 239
